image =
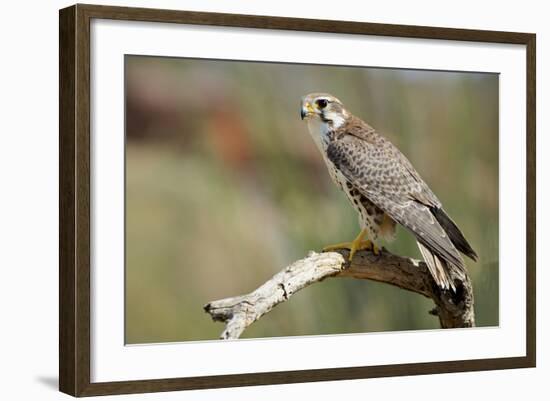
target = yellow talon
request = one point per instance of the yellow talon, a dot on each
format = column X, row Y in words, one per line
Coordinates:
column 356, row 245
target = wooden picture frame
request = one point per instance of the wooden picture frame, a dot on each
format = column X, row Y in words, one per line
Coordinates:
column 74, row 203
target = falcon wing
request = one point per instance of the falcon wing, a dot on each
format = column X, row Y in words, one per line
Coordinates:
column 382, row 174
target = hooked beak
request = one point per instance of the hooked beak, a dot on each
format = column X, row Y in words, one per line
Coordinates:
column 306, row 110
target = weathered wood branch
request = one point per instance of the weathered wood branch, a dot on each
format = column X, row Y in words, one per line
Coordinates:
column 453, row 309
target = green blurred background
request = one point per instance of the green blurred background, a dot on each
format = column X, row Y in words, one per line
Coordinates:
column 225, row 187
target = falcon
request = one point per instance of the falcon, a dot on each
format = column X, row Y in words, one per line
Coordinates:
column 385, row 190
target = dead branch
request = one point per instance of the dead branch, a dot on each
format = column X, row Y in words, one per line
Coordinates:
column 453, row 309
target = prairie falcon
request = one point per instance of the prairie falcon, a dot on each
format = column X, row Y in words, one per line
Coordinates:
column 384, row 188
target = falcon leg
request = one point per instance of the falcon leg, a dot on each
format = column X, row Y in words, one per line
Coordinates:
column 356, row 245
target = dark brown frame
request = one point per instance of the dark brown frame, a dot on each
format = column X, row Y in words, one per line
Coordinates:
column 74, row 199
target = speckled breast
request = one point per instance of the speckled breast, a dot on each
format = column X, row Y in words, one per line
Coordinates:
column 371, row 217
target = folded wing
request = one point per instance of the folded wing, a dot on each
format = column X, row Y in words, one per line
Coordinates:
column 382, row 174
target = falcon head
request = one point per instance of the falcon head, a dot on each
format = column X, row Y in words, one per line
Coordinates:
column 324, row 113
column 323, row 108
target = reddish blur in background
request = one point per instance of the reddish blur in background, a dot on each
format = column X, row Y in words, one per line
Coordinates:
column 225, row 187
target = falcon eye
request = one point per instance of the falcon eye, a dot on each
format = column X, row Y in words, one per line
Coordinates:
column 322, row 103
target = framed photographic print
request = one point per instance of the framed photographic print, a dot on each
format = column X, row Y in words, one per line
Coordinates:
column 251, row 200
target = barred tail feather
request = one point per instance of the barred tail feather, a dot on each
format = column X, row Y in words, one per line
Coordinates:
column 443, row 272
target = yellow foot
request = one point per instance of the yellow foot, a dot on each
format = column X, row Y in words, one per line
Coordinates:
column 356, row 245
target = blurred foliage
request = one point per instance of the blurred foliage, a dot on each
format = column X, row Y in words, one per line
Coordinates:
column 224, row 187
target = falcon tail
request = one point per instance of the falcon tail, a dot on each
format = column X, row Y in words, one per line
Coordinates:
column 443, row 272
